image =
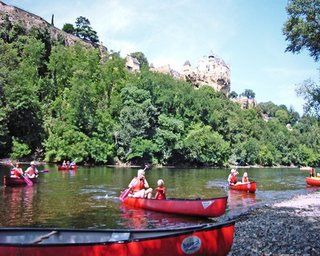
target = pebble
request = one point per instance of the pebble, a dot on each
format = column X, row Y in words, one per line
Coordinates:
column 287, row 228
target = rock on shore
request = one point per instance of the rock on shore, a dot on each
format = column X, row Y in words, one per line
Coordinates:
column 287, row 228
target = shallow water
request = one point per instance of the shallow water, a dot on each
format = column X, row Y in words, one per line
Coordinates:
column 88, row 198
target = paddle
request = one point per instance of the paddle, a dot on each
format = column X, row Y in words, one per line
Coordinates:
column 26, row 179
column 126, row 192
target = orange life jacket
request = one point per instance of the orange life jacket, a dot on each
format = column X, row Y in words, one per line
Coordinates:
column 138, row 186
column 31, row 171
column 161, row 193
column 15, row 172
column 233, row 179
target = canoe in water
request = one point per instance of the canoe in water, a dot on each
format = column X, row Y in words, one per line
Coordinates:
column 248, row 187
column 313, row 181
column 11, row 182
column 66, row 168
column 213, row 207
column 206, row 239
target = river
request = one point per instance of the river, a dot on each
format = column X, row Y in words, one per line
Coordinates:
column 87, row 198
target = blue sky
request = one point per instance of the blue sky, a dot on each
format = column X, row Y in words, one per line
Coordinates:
column 247, row 34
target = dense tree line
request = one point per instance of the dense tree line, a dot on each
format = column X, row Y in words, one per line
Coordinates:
column 61, row 102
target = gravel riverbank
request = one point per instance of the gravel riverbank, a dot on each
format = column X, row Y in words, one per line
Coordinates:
column 287, row 228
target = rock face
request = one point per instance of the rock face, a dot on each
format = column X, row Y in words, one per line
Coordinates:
column 211, row 71
column 29, row 21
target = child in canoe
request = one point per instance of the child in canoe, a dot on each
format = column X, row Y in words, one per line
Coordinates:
column 160, row 190
column 245, row 178
column 16, row 171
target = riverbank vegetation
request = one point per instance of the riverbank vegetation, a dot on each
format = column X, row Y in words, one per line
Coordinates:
column 60, row 102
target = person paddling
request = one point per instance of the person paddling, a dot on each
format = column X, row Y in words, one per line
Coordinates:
column 32, row 171
column 139, row 186
column 16, row 171
column 232, row 178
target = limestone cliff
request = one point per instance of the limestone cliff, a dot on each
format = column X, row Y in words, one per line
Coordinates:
column 211, row 71
column 29, row 21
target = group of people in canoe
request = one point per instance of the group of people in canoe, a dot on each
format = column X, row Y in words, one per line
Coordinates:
column 67, row 164
column 17, row 172
column 233, row 179
column 140, row 188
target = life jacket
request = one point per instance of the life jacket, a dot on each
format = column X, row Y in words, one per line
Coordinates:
column 31, row 171
column 138, row 186
column 161, row 193
column 15, row 172
column 245, row 179
column 233, row 179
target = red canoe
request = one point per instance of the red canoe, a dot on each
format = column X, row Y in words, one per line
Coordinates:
column 213, row 207
column 248, row 187
column 207, row 239
column 313, row 181
column 8, row 181
column 66, row 168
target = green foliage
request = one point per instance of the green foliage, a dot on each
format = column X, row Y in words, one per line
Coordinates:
column 19, row 149
column 85, row 31
column 303, row 26
column 310, row 91
column 77, row 105
column 69, row 28
column 144, row 64
column 202, row 146
column 250, row 94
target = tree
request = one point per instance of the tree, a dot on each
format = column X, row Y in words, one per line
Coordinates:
column 69, row 28
column 141, row 58
column 250, row 94
column 310, row 91
column 302, row 29
column 85, row 31
column 233, row 95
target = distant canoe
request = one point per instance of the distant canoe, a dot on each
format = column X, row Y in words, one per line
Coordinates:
column 206, row 239
column 313, row 181
column 248, row 187
column 213, row 207
column 66, row 168
column 11, row 182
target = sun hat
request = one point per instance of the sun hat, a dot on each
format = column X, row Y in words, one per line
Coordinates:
column 141, row 172
column 33, row 163
column 160, row 182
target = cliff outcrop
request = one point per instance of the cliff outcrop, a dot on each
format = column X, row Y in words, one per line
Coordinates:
column 29, row 20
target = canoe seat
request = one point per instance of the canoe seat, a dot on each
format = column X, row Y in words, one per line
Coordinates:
column 119, row 236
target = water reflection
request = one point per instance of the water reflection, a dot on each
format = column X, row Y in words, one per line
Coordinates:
column 240, row 201
column 144, row 219
column 20, row 208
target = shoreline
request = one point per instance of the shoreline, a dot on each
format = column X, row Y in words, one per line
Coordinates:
column 289, row 227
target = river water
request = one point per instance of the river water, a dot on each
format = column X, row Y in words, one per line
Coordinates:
column 88, row 197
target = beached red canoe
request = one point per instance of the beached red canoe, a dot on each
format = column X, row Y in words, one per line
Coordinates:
column 213, row 207
column 248, row 187
column 11, row 182
column 313, row 181
column 207, row 239
column 66, row 168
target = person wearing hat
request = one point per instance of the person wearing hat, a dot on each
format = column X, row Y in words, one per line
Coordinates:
column 32, row 171
column 139, row 186
column 232, row 178
column 160, row 190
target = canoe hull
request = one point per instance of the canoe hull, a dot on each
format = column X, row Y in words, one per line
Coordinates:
column 213, row 207
column 12, row 182
column 206, row 240
column 248, row 187
column 313, row 181
column 65, row 168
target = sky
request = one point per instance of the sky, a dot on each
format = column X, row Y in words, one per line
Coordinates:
column 246, row 34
